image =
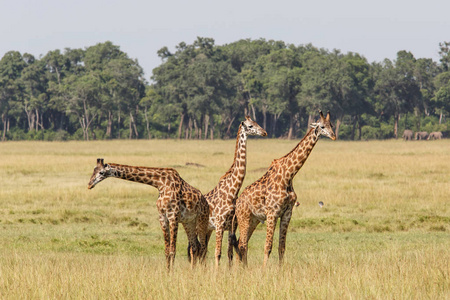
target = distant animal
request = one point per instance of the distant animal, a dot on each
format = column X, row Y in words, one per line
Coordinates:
column 435, row 135
column 407, row 135
column 421, row 135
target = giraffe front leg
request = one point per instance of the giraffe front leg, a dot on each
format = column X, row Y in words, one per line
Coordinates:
column 203, row 234
column 219, row 237
column 173, row 222
column 166, row 232
column 284, row 223
column 271, row 223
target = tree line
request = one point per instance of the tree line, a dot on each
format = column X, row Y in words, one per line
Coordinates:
column 202, row 91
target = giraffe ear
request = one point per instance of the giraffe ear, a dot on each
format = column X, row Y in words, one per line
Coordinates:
column 313, row 125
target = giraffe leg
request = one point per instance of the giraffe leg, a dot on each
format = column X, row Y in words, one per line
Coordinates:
column 193, row 241
column 271, row 224
column 203, row 233
column 246, row 232
column 173, row 240
column 166, row 232
column 219, row 237
column 243, row 241
column 284, row 223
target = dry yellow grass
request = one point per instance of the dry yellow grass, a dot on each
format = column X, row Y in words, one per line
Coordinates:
column 383, row 232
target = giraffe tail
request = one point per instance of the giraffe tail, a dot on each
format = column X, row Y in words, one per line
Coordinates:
column 189, row 252
column 234, row 241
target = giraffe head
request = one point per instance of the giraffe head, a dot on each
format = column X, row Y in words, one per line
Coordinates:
column 250, row 127
column 324, row 127
column 101, row 172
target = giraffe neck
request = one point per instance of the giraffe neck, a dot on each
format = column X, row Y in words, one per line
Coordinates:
column 234, row 177
column 294, row 160
column 146, row 175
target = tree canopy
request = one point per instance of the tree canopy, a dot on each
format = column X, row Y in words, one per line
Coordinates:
column 202, row 90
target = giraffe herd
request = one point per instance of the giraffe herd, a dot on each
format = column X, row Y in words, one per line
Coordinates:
column 267, row 199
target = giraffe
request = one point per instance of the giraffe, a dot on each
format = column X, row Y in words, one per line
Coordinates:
column 272, row 196
column 222, row 199
column 178, row 202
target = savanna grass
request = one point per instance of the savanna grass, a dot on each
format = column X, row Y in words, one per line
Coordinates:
column 383, row 232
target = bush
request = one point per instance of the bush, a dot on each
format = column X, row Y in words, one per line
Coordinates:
column 16, row 135
column 345, row 132
column 99, row 134
column 61, row 135
column 386, row 131
column 78, row 135
column 369, row 132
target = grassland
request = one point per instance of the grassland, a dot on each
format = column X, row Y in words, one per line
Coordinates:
column 383, row 233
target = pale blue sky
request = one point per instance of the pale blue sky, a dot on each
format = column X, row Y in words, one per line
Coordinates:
column 374, row 29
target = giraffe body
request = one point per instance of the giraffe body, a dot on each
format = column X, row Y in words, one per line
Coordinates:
column 178, row 202
column 272, row 196
column 222, row 199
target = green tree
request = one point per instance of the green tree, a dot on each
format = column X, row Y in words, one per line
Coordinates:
column 441, row 99
column 35, row 100
column 11, row 66
column 396, row 87
column 444, row 52
column 81, row 93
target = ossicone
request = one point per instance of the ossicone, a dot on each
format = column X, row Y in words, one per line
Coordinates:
column 321, row 114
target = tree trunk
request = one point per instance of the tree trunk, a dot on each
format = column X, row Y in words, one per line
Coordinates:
column 196, row 135
column 30, row 118
column 264, row 111
column 206, row 122
column 352, row 136
column 291, row 126
column 118, row 124
column 4, row 119
column 180, row 127
column 133, row 127
column 396, row 118
column 254, row 112
column 359, row 130
column 274, row 125
column 109, row 126
column 211, row 126
column 228, row 134
column 310, row 120
column 338, row 124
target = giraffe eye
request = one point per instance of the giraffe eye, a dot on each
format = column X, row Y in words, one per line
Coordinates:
column 102, row 173
column 251, row 126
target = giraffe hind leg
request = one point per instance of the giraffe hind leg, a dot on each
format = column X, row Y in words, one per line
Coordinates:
column 193, row 242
